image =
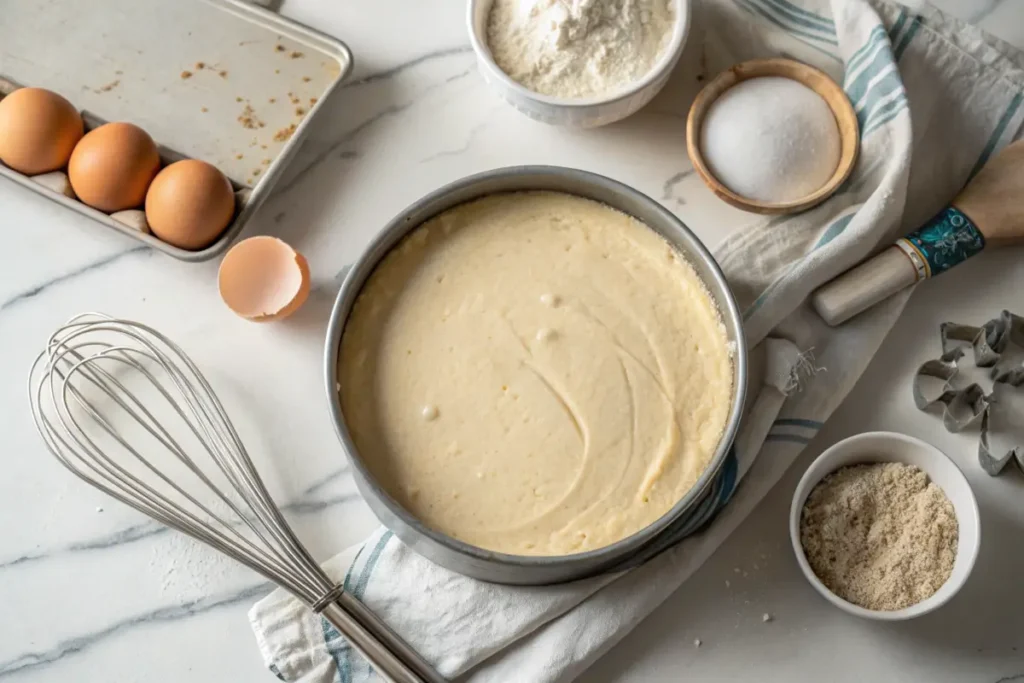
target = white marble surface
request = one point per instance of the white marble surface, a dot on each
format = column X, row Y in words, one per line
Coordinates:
column 89, row 591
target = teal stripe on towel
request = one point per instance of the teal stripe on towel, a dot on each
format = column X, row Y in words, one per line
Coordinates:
column 834, row 230
column 337, row 646
column 359, row 591
column 780, row 10
column 881, row 105
column 831, row 233
column 799, row 422
column 993, row 140
column 915, row 25
column 371, row 562
column 877, row 34
column 759, row 301
column 342, row 653
column 866, row 88
column 762, row 12
column 823, row 21
column 885, row 115
column 898, row 25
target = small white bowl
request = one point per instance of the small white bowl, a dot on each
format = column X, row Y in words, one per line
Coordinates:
column 582, row 112
column 891, row 447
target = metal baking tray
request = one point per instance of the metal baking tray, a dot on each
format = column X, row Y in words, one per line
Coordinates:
column 223, row 81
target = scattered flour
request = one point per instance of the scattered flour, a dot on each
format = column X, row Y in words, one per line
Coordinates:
column 578, row 48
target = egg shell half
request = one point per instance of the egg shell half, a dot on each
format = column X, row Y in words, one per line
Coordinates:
column 263, row 279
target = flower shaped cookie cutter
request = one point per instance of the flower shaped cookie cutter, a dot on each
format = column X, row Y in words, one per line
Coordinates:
column 999, row 346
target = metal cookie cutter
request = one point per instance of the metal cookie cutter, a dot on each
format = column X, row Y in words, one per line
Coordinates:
column 999, row 345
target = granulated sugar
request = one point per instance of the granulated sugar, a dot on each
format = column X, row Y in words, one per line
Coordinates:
column 771, row 139
column 881, row 536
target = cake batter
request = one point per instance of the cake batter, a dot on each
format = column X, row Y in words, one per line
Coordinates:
column 535, row 373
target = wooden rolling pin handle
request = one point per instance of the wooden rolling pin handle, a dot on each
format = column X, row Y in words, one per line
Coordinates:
column 864, row 286
column 947, row 240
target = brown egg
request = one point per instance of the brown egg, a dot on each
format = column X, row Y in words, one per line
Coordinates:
column 263, row 279
column 189, row 204
column 112, row 167
column 38, row 130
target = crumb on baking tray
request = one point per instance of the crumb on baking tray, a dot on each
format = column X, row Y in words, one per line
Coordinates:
column 200, row 66
column 313, row 100
column 223, row 73
column 284, row 133
column 239, row 156
column 186, row 75
column 238, row 99
column 265, row 162
column 306, row 79
column 277, row 71
column 272, row 100
column 257, row 171
column 263, row 146
column 108, row 87
column 248, row 118
column 118, row 73
column 296, row 54
column 280, row 48
column 204, row 110
column 300, row 111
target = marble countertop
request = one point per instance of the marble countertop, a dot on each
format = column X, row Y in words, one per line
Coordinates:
column 90, row 591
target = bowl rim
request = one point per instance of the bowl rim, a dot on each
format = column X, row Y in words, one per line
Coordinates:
column 805, row 74
column 401, row 225
column 972, row 523
column 666, row 62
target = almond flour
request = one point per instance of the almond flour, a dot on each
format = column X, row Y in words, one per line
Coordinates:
column 881, row 536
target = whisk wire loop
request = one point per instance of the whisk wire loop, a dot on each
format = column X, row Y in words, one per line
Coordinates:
column 126, row 410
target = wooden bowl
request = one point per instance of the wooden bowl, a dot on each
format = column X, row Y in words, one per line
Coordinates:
column 819, row 82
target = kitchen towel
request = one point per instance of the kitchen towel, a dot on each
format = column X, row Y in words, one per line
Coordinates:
column 935, row 98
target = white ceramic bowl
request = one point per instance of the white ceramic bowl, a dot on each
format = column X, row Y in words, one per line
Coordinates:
column 891, row 447
column 583, row 112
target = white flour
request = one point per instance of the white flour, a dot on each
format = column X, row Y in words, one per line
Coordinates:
column 578, row 48
column 771, row 139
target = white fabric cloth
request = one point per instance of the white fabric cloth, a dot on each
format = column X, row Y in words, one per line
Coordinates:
column 963, row 92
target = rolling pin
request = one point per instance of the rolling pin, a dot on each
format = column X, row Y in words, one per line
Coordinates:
column 988, row 212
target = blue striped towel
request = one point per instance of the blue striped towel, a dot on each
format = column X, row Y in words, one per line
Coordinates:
column 962, row 90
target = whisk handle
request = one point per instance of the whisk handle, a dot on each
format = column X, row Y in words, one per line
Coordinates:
column 392, row 658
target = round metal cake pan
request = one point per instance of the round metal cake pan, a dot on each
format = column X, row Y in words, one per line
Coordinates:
column 498, row 567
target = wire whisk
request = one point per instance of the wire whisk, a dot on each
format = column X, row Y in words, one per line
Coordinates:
column 122, row 407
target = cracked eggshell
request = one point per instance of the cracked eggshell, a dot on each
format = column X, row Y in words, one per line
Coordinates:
column 263, row 279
